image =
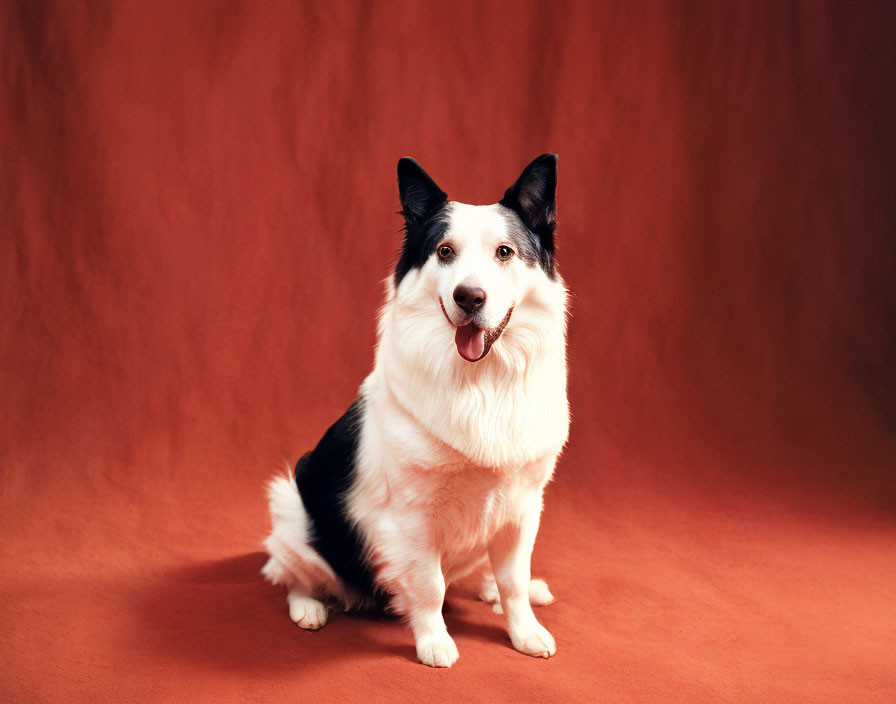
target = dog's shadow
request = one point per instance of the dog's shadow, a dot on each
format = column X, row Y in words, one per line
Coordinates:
column 222, row 613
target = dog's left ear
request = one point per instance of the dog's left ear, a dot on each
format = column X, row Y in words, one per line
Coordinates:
column 532, row 197
column 420, row 196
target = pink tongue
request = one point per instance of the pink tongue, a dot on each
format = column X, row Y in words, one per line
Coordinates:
column 470, row 342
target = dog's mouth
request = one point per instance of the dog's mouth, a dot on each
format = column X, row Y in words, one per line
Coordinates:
column 473, row 342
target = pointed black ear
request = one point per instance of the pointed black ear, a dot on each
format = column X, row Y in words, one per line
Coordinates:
column 420, row 196
column 532, row 198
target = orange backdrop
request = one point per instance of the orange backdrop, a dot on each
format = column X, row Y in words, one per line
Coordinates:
column 197, row 209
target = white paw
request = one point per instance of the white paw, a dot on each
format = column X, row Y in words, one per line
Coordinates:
column 539, row 594
column 437, row 652
column 538, row 642
column 307, row 613
column 489, row 591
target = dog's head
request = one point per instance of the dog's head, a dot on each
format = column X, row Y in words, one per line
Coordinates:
column 477, row 263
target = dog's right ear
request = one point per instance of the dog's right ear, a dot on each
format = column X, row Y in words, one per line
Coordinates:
column 420, row 196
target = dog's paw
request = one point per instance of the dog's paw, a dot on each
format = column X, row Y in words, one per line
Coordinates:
column 437, row 652
column 539, row 594
column 307, row 613
column 538, row 642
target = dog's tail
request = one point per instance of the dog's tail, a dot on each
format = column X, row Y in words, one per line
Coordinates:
column 293, row 561
column 289, row 529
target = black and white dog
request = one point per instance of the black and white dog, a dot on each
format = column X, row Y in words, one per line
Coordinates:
column 438, row 467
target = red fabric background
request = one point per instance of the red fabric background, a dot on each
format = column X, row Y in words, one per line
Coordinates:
column 197, row 208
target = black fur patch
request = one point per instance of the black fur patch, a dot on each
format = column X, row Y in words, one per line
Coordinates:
column 423, row 208
column 532, row 198
column 526, row 243
column 324, row 477
column 420, row 243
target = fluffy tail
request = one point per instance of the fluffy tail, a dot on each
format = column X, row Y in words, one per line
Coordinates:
column 294, row 563
column 289, row 531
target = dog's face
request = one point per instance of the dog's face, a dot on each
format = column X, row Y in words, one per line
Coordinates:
column 477, row 263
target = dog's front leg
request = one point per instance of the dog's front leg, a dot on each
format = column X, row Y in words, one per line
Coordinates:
column 510, row 552
column 419, row 594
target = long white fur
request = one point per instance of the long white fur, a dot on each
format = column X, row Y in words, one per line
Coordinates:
column 453, row 456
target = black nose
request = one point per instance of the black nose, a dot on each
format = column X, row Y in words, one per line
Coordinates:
column 469, row 298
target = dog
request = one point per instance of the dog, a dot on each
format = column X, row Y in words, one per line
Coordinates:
column 437, row 469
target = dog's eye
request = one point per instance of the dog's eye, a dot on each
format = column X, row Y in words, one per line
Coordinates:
column 446, row 251
column 504, row 253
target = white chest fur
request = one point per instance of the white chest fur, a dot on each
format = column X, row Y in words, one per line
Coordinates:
column 448, row 449
column 413, row 489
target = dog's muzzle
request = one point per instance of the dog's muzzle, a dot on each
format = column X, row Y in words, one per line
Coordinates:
column 473, row 342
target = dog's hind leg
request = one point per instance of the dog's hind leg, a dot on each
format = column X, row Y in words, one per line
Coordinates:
column 306, row 611
column 294, row 563
column 539, row 594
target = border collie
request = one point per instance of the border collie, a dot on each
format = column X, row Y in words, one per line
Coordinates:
column 437, row 469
